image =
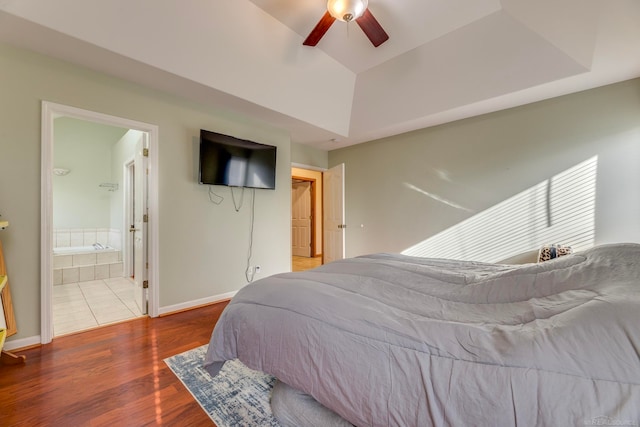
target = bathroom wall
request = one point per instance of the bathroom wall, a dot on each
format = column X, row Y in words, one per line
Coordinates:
column 83, row 148
column 93, row 153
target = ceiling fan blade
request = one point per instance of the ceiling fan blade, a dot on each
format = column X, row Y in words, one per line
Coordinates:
column 372, row 28
column 318, row 31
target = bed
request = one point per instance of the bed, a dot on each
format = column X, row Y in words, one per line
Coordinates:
column 392, row 340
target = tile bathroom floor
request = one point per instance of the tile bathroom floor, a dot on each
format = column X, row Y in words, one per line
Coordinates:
column 85, row 305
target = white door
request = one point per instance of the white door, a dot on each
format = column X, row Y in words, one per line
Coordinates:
column 334, row 218
column 139, row 226
column 301, row 218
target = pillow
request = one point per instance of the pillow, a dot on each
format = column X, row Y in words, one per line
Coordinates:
column 548, row 252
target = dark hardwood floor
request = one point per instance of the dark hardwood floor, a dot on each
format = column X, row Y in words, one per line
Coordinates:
column 111, row 376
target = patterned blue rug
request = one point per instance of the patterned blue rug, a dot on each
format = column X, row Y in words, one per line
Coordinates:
column 237, row 396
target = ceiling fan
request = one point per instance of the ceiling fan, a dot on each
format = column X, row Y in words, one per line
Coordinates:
column 347, row 11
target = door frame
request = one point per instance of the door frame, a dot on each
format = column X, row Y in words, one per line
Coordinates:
column 50, row 111
column 313, row 210
column 127, row 241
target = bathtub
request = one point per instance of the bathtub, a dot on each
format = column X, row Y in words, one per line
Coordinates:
column 75, row 250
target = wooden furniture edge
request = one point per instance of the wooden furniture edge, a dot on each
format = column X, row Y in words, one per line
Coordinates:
column 8, row 358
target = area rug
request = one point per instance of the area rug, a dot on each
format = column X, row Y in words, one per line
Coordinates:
column 237, row 396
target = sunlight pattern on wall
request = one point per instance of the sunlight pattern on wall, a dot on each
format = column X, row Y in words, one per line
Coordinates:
column 558, row 210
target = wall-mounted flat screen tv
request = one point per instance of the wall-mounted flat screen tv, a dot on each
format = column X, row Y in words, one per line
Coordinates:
column 225, row 160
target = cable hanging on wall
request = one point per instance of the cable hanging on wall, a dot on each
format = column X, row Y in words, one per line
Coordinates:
column 235, row 204
column 215, row 198
column 249, row 273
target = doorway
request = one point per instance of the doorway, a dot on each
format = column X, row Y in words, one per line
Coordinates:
column 91, row 248
column 302, row 217
column 306, row 218
column 329, row 229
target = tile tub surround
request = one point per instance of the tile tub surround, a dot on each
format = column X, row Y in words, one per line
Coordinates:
column 65, row 237
column 81, row 267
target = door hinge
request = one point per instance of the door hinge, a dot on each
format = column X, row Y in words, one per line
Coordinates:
column 147, row 266
column 145, row 218
column 145, row 284
column 145, row 152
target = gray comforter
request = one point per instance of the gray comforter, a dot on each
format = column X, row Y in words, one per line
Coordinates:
column 391, row 340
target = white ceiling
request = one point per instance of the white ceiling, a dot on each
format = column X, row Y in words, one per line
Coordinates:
column 444, row 60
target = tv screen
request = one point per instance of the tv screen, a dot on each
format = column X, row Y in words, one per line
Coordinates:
column 225, row 160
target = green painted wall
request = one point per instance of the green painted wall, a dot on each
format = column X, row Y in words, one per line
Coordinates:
column 479, row 162
column 203, row 246
column 302, row 154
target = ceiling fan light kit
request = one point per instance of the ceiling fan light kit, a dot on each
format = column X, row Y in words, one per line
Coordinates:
column 347, row 11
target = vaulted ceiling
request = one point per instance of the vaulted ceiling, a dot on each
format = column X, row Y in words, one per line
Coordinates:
column 444, row 60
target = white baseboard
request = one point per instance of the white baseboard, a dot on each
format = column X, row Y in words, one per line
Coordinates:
column 35, row 340
column 21, row 343
column 196, row 303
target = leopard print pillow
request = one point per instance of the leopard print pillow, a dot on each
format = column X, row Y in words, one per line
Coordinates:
column 548, row 252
